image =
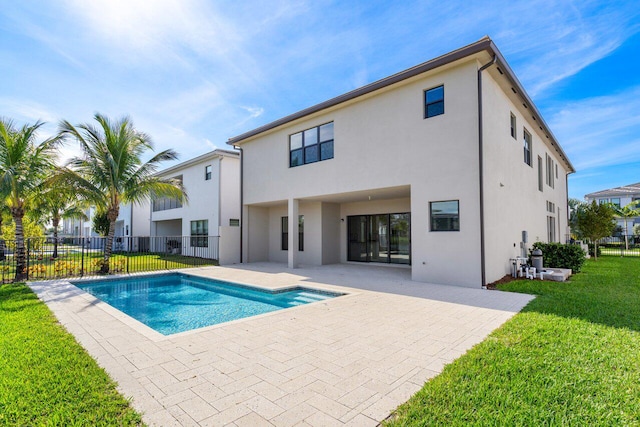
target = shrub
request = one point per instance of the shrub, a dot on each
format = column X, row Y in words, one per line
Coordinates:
column 561, row 256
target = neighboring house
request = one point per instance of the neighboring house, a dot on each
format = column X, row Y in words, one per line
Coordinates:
column 439, row 168
column 621, row 197
column 212, row 215
column 133, row 221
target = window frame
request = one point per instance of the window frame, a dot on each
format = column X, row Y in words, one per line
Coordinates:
column 540, row 180
column 284, row 233
column 199, row 240
column 455, row 222
column 527, row 146
column 514, row 126
column 305, row 147
column 427, row 103
column 208, row 172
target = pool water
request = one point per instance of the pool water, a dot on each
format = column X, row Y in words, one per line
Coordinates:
column 176, row 302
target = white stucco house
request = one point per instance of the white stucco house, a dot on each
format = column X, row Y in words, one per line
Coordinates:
column 438, row 168
column 620, row 196
column 210, row 220
column 132, row 228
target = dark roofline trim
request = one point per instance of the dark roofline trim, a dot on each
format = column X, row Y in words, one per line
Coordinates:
column 484, row 44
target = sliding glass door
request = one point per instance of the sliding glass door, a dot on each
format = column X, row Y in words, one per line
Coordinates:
column 379, row 238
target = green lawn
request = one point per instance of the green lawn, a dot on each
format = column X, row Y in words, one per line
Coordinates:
column 571, row 357
column 46, row 378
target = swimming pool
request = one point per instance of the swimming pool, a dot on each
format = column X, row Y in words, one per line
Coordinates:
column 177, row 302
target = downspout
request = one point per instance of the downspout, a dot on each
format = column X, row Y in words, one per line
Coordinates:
column 483, row 269
column 241, row 199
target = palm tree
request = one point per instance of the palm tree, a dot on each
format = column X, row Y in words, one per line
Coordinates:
column 23, row 168
column 55, row 202
column 627, row 212
column 111, row 171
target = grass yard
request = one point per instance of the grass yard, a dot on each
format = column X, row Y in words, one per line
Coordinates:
column 46, row 378
column 571, row 357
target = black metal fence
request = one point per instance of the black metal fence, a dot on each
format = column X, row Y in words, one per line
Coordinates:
column 82, row 256
column 621, row 245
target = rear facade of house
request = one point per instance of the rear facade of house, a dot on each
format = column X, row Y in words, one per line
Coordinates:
column 413, row 170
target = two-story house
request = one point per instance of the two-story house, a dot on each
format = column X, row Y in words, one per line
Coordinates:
column 210, row 219
column 621, row 197
column 439, row 168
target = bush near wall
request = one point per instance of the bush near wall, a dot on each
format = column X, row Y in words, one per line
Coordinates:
column 561, row 256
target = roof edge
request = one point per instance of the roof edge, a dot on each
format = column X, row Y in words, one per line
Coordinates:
column 473, row 48
column 210, row 155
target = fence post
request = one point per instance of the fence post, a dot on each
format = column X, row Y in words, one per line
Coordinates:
column 28, row 255
column 82, row 258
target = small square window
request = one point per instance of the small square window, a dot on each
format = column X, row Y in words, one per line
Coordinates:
column 207, row 173
column 434, row 102
column 445, row 215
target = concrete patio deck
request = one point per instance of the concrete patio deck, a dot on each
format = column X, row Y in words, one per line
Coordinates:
column 346, row 361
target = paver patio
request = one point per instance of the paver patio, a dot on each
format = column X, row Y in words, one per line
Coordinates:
column 345, row 361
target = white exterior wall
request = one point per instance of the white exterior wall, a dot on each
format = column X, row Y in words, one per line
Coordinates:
column 389, row 159
column 383, row 141
column 513, row 202
column 216, row 200
column 229, row 190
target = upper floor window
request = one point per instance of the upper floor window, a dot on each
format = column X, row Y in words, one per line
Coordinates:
column 540, row 173
column 434, row 102
column 207, row 172
column 527, row 147
column 550, row 171
column 514, row 133
column 312, row 145
column 165, row 203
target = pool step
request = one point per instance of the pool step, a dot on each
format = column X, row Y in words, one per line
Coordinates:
column 307, row 297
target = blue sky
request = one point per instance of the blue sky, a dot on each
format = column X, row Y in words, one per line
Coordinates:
column 194, row 73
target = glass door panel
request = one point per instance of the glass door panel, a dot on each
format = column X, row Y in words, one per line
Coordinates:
column 400, row 247
column 357, row 230
column 379, row 238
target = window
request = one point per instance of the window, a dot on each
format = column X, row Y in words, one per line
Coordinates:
column 234, row 222
column 550, row 171
column 207, row 173
column 527, row 147
column 445, row 215
column 311, row 145
column 556, row 170
column 540, row 186
column 551, row 207
column 200, row 233
column 284, row 243
column 434, row 102
column 551, row 229
column 514, row 132
column 615, row 201
column 166, row 203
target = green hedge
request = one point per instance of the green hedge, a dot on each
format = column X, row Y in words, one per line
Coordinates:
column 561, row 256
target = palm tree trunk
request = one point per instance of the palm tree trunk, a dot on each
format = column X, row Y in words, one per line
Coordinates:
column 112, row 215
column 20, row 255
column 626, row 238
column 55, row 222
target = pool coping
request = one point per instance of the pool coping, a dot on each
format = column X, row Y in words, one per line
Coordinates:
column 156, row 336
column 342, row 361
